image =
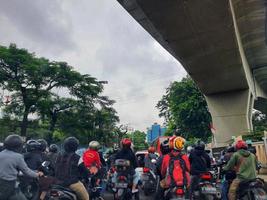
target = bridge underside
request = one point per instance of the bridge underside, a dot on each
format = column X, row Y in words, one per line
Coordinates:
column 221, row 44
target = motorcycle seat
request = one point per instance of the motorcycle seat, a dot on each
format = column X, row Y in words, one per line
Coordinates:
column 251, row 183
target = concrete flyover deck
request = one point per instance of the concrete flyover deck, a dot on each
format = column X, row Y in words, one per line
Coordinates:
column 222, row 46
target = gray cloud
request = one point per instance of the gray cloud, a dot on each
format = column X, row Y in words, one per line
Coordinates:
column 108, row 43
column 43, row 23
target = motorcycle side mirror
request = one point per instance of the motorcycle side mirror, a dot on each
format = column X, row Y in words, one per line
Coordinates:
column 45, row 163
column 153, row 161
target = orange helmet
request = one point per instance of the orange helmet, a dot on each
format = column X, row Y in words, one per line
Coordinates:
column 177, row 143
column 151, row 150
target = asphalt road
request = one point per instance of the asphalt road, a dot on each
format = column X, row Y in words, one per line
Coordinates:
column 109, row 196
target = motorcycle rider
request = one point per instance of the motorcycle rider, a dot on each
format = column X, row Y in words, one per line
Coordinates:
column 53, row 154
column 189, row 150
column 228, row 175
column 111, row 158
column 164, row 149
column 44, row 145
column 149, row 157
column 176, row 145
column 251, row 148
column 244, row 163
column 12, row 162
column 126, row 153
column 68, row 170
column 33, row 157
column 91, row 156
column 200, row 163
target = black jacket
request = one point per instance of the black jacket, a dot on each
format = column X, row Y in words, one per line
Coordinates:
column 68, row 170
column 200, row 162
column 127, row 154
column 34, row 160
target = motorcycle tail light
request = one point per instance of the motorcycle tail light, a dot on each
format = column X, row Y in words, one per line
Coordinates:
column 122, row 178
column 146, row 170
column 112, row 169
column 179, row 191
column 206, row 176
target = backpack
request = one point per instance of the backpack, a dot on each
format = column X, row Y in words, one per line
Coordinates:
column 176, row 172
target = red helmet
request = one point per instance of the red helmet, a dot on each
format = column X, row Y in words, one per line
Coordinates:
column 151, row 150
column 241, row 144
column 126, row 142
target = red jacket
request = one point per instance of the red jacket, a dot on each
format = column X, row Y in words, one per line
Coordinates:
column 91, row 157
column 166, row 160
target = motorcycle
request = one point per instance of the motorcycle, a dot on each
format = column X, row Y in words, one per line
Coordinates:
column 175, row 193
column 93, row 189
column 30, row 187
column 58, row 192
column 110, row 175
column 251, row 190
column 207, row 188
column 123, row 186
column 150, row 180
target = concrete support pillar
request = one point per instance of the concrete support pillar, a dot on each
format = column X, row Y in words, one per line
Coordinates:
column 231, row 114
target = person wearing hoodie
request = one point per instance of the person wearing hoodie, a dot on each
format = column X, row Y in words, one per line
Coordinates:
column 244, row 163
column 200, row 163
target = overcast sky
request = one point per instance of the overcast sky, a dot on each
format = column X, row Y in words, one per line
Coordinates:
column 100, row 38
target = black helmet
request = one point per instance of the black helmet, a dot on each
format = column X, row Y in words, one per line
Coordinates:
column 13, row 143
column 53, row 148
column 71, row 144
column 43, row 144
column 165, row 147
column 33, row 145
column 200, row 145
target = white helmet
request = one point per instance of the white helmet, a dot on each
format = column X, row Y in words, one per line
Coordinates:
column 189, row 149
column 94, row 145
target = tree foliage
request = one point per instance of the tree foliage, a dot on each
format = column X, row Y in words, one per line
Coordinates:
column 139, row 140
column 185, row 109
column 32, row 81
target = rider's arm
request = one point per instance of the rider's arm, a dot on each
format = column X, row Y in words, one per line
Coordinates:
column 231, row 164
column 22, row 166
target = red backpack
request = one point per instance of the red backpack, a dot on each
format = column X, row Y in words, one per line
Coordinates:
column 176, row 172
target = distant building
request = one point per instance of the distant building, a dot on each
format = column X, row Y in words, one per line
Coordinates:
column 154, row 132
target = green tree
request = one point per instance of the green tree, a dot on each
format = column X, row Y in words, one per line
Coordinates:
column 185, row 109
column 30, row 79
column 139, row 140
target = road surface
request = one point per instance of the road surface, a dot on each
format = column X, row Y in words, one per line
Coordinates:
column 109, row 196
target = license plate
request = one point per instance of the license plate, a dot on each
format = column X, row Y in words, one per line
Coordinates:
column 121, row 185
column 209, row 190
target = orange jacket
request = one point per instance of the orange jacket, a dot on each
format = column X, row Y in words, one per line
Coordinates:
column 90, row 158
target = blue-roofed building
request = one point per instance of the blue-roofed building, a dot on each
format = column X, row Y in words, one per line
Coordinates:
column 154, row 132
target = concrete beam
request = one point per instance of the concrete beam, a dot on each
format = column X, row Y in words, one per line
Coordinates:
column 231, row 114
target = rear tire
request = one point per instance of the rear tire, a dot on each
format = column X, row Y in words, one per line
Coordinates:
column 136, row 196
